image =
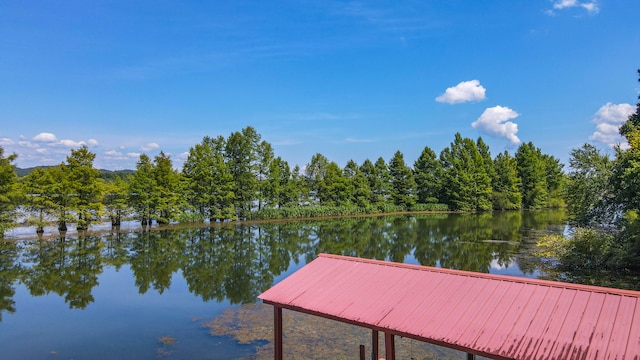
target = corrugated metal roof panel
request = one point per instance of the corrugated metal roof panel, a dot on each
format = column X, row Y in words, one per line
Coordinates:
column 490, row 315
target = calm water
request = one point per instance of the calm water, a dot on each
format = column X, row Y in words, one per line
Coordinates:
column 115, row 295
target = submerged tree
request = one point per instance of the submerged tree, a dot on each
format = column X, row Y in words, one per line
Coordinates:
column 38, row 185
column 86, row 186
column 170, row 200
column 115, row 200
column 142, row 190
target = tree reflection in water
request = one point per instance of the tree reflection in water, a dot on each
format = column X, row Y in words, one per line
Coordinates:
column 237, row 262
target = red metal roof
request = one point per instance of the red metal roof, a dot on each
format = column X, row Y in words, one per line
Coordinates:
column 494, row 316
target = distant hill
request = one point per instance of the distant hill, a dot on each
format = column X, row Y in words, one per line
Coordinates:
column 104, row 174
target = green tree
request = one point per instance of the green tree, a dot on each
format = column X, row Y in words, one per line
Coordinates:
column 296, row 192
column 276, row 184
column 334, row 188
column 378, row 178
column 115, row 199
column 315, row 173
column 38, row 185
column 533, row 174
column 10, row 191
column 588, row 192
column 241, row 159
column 169, row 199
column 62, row 193
column 265, row 159
column 427, row 172
column 506, row 184
column 359, row 190
column 403, row 185
column 143, row 191
column 466, row 182
column 86, row 186
column 209, row 183
column 556, row 181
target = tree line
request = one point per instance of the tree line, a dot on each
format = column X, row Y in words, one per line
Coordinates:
column 239, row 177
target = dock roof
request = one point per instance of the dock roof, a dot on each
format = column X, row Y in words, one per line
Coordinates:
column 501, row 317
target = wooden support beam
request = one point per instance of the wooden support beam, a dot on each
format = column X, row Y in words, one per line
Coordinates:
column 471, row 356
column 389, row 346
column 277, row 332
column 375, row 346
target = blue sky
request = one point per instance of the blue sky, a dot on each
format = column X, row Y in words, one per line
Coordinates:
column 347, row 79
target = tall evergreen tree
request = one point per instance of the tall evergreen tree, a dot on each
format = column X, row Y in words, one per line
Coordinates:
column 556, row 181
column 466, row 182
column 427, row 171
column 334, row 188
column 506, row 184
column 381, row 187
column 241, row 158
column 533, row 174
column 265, row 158
column 359, row 190
column 274, row 188
column 315, row 172
column 403, row 186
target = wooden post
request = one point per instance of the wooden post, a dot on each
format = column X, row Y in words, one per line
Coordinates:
column 471, row 356
column 389, row 346
column 277, row 332
column 375, row 347
column 363, row 355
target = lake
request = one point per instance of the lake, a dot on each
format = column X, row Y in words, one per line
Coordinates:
column 147, row 294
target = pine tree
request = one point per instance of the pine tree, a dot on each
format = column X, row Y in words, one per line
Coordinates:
column 427, row 171
column 506, row 184
column 403, row 186
column 532, row 173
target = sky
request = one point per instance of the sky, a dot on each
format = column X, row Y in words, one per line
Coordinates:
column 351, row 80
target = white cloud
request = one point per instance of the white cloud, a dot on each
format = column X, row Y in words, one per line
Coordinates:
column 134, row 154
column 72, row 143
column 608, row 120
column 149, row 147
column 42, row 151
column 6, row 141
column 92, row 142
column 184, row 155
column 45, row 137
column 590, row 6
column 112, row 153
column 494, row 122
column 465, row 91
